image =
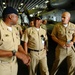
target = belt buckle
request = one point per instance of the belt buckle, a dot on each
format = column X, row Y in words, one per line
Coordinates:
column 39, row 50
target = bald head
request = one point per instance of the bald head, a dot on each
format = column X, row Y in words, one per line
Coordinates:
column 66, row 14
column 66, row 17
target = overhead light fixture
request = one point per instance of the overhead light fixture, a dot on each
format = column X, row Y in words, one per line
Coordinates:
column 19, row 8
column 37, row 6
column 31, row 15
column 46, row 1
column 39, row 12
column 21, row 4
column 4, row 6
column 3, row 3
column 33, row 8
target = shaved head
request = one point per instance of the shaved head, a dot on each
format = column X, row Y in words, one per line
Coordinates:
column 66, row 14
column 66, row 17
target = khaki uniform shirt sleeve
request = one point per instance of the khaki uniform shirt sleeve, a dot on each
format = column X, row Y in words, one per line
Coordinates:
column 54, row 31
column 46, row 36
column 25, row 36
column 0, row 39
column 74, row 31
column 20, row 28
column 18, row 36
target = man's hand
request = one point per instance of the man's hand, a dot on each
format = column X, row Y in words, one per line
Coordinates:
column 69, row 44
column 62, row 44
column 25, row 58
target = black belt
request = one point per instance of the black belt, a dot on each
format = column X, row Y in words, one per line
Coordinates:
column 35, row 50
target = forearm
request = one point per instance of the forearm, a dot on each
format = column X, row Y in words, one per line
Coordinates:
column 19, row 55
column 73, row 40
column 4, row 53
column 56, row 39
column 20, row 49
column 25, row 47
column 21, row 52
column 24, row 57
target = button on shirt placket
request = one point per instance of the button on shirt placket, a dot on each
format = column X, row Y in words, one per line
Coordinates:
column 13, row 42
column 66, row 34
column 39, row 40
column 39, row 43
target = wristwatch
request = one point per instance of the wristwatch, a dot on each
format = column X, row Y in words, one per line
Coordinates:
column 13, row 52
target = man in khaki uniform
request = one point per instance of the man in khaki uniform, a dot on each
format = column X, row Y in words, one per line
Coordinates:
column 35, row 38
column 31, row 23
column 64, row 34
column 10, row 47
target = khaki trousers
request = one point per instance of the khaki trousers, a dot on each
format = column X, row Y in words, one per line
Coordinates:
column 60, row 55
column 7, row 68
column 41, row 59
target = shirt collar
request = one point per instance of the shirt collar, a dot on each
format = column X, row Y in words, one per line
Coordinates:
column 4, row 26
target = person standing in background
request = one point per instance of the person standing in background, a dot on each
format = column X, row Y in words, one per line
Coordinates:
column 10, row 48
column 44, row 23
column 64, row 35
column 31, row 24
column 19, row 27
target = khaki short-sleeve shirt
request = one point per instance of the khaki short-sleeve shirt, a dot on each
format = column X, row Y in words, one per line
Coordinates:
column 9, row 40
column 34, row 38
column 62, row 33
column 18, row 27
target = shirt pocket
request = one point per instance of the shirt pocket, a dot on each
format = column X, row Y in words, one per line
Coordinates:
column 32, row 35
column 6, row 37
column 6, row 40
column 17, row 38
column 60, row 32
column 71, row 32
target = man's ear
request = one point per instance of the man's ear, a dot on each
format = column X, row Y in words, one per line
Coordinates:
column 10, row 16
column 69, row 18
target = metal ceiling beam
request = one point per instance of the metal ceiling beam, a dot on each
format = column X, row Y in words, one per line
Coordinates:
column 37, row 2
